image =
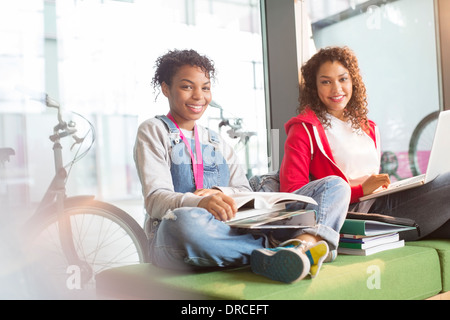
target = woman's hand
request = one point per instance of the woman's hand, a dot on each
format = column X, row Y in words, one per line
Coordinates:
column 374, row 182
column 221, row 206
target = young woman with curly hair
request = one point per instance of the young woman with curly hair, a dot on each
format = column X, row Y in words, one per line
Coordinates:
column 356, row 108
column 332, row 136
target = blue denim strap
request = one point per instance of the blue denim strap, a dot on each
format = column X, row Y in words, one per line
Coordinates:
column 172, row 128
column 174, row 133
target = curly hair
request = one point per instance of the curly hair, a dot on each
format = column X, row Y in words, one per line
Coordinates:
column 356, row 109
column 168, row 65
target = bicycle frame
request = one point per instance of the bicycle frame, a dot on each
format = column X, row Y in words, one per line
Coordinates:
column 55, row 198
column 70, row 239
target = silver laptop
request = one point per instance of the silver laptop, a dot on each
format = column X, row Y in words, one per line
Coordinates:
column 438, row 163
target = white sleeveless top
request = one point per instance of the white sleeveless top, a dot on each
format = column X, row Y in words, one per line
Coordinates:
column 353, row 150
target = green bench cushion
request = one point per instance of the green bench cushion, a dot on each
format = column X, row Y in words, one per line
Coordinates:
column 443, row 249
column 411, row 272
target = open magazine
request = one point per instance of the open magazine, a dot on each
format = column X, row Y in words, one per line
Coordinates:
column 252, row 204
column 279, row 219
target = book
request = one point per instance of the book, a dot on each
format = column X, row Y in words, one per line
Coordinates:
column 381, row 218
column 352, row 227
column 367, row 242
column 279, row 219
column 251, row 204
column 372, row 250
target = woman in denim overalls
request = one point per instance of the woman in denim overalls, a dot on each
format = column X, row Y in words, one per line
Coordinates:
column 184, row 221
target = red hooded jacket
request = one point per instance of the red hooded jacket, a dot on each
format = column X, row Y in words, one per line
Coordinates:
column 307, row 154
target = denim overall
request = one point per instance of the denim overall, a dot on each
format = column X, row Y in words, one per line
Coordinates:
column 190, row 237
column 215, row 169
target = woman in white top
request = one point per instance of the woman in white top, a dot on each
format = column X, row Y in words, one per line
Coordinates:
column 332, row 136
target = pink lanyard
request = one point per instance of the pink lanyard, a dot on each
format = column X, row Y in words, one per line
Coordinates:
column 197, row 164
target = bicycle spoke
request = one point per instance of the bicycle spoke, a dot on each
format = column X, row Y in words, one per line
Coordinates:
column 103, row 237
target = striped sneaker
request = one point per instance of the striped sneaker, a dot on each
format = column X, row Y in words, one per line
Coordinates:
column 291, row 261
column 317, row 254
column 285, row 264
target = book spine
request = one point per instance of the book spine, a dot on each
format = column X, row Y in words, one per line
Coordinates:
column 351, row 245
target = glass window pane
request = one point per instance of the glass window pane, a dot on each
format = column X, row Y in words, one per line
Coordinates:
column 97, row 59
column 395, row 42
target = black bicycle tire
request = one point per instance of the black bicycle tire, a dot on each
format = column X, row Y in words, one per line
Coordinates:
column 79, row 206
column 412, row 151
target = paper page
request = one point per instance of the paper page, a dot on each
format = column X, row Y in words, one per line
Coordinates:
column 261, row 200
column 248, row 213
column 277, row 219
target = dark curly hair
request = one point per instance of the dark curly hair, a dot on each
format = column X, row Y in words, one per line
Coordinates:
column 168, row 64
column 356, row 109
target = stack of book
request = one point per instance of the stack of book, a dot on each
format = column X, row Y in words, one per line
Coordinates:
column 366, row 237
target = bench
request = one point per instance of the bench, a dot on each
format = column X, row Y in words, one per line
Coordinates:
column 420, row 270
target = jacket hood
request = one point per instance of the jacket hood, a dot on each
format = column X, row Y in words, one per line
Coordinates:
column 307, row 116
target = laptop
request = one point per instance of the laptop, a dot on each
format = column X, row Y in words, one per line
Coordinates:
column 438, row 163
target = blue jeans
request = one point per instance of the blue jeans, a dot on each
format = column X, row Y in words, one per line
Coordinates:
column 192, row 237
column 333, row 196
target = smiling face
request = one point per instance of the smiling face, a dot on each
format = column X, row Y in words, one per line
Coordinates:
column 189, row 95
column 334, row 87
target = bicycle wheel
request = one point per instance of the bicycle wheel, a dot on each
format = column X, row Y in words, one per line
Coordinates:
column 421, row 142
column 103, row 235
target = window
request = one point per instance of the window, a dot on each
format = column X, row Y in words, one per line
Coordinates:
column 96, row 58
column 396, row 45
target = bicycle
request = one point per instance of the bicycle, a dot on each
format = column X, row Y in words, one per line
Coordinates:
column 236, row 132
column 421, row 142
column 68, row 240
column 419, row 147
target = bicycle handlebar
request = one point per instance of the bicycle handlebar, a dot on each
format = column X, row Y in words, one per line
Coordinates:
column 237, row 125
column 58, row 135
column 62, row 129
